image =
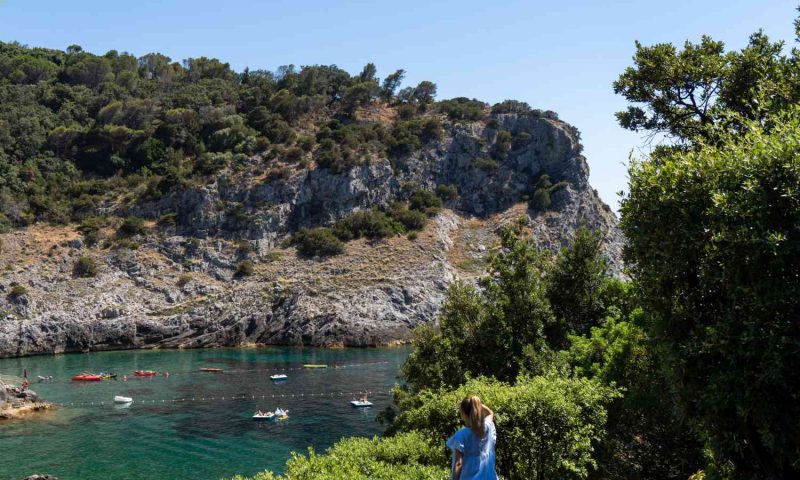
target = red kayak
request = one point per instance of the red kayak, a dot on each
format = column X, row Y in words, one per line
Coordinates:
column 87, row 377
column 145, row 373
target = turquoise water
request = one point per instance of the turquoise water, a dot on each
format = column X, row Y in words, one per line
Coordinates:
column 165, row 434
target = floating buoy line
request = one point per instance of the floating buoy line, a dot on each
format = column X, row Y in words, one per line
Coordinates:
column 268, row 371
column 220, row 398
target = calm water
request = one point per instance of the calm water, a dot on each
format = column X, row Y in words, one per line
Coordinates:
column 200, row 439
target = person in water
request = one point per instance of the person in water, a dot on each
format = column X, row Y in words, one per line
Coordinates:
column 473, row 446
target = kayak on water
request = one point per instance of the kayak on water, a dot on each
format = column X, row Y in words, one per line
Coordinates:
column 313, row 365
column 209, row 369
column 145, row 373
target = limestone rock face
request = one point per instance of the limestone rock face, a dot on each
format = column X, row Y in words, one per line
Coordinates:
column 178, row 289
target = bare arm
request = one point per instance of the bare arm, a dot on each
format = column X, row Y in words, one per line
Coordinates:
column 458, row 465
column 488, row 413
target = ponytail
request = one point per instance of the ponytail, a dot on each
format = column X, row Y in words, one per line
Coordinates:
column 472, row 408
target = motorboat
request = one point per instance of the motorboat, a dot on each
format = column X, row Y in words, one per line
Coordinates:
column 87, row 377
column 278, row 377
column 121, row 399
column 210, row 369
column 145, row 373
column 263, row 416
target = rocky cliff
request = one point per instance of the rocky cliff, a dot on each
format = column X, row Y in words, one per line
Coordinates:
column 175, row 287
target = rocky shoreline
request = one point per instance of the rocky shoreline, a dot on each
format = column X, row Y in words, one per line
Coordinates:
column 177, row 286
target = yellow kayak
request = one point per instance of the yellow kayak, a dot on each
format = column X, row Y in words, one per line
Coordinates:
column 311, row 365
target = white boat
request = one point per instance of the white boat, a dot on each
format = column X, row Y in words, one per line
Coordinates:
column 121, row 399
column 361, row 401
column 277, row 377
column 263, row 416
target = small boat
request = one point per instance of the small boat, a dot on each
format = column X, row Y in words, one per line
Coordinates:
column 121, row 399
column 278, row 377
column 361, row 402
column 314, row 365
column 44, row 378
column 209, row 369
column 263, row 416
column 87, row 377
column 145, row 373
column 107, row 375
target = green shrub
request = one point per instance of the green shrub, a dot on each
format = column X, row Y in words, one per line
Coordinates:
column 541, row 199
column 462, row 108
column 409, row 456
column 318, row 241
column 245, row 268
column 447, row 192
column 511, row 106
column 410, row 219
column 85, row 267
column 243, row 247
column 423, row 200
column 548, row 424
column 485, row 163
column 183, row 280
column 294, row 154
column 372, row 224
column 90, row 229
column 17, row 291
column 130, row 227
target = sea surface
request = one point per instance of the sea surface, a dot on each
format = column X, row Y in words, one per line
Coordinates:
column 191, row 424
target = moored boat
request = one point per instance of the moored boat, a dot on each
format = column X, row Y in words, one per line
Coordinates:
column 121, row 399
column 87, row 377
column 263, row 415
column 145, row 373
column 209, row 369
column 278, row 377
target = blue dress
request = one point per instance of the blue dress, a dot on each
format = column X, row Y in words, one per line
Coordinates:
column 478, row 462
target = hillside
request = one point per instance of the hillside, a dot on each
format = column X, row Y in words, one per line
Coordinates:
column 152, row 204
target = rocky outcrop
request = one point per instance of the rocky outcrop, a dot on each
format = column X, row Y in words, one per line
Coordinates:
column 177, row 289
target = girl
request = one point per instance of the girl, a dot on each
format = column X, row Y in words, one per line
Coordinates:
column 473, row 447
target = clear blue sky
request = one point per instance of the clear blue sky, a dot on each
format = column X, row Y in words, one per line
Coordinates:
column 557, row 55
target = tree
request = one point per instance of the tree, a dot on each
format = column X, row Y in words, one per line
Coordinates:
column 574, row 286
column 368, row 73
column 684, row 94
column 713, row 245
column 425, row 92
column 391, row 83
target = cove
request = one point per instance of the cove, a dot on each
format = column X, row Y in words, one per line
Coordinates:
column 157, row 437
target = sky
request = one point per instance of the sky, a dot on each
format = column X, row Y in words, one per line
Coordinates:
column 555, row 55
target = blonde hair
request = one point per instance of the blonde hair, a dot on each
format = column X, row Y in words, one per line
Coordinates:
column 472, row 408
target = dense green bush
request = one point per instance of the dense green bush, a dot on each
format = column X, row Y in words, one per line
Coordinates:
column 713, row 244
column 131, row 227
column 447, row 192
column 462, row 108
column 547, row 425
column 424, row 201
column 85, row 267
column 409, row 456
column 245, row 268
column 318, row 241
column 372, row 224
